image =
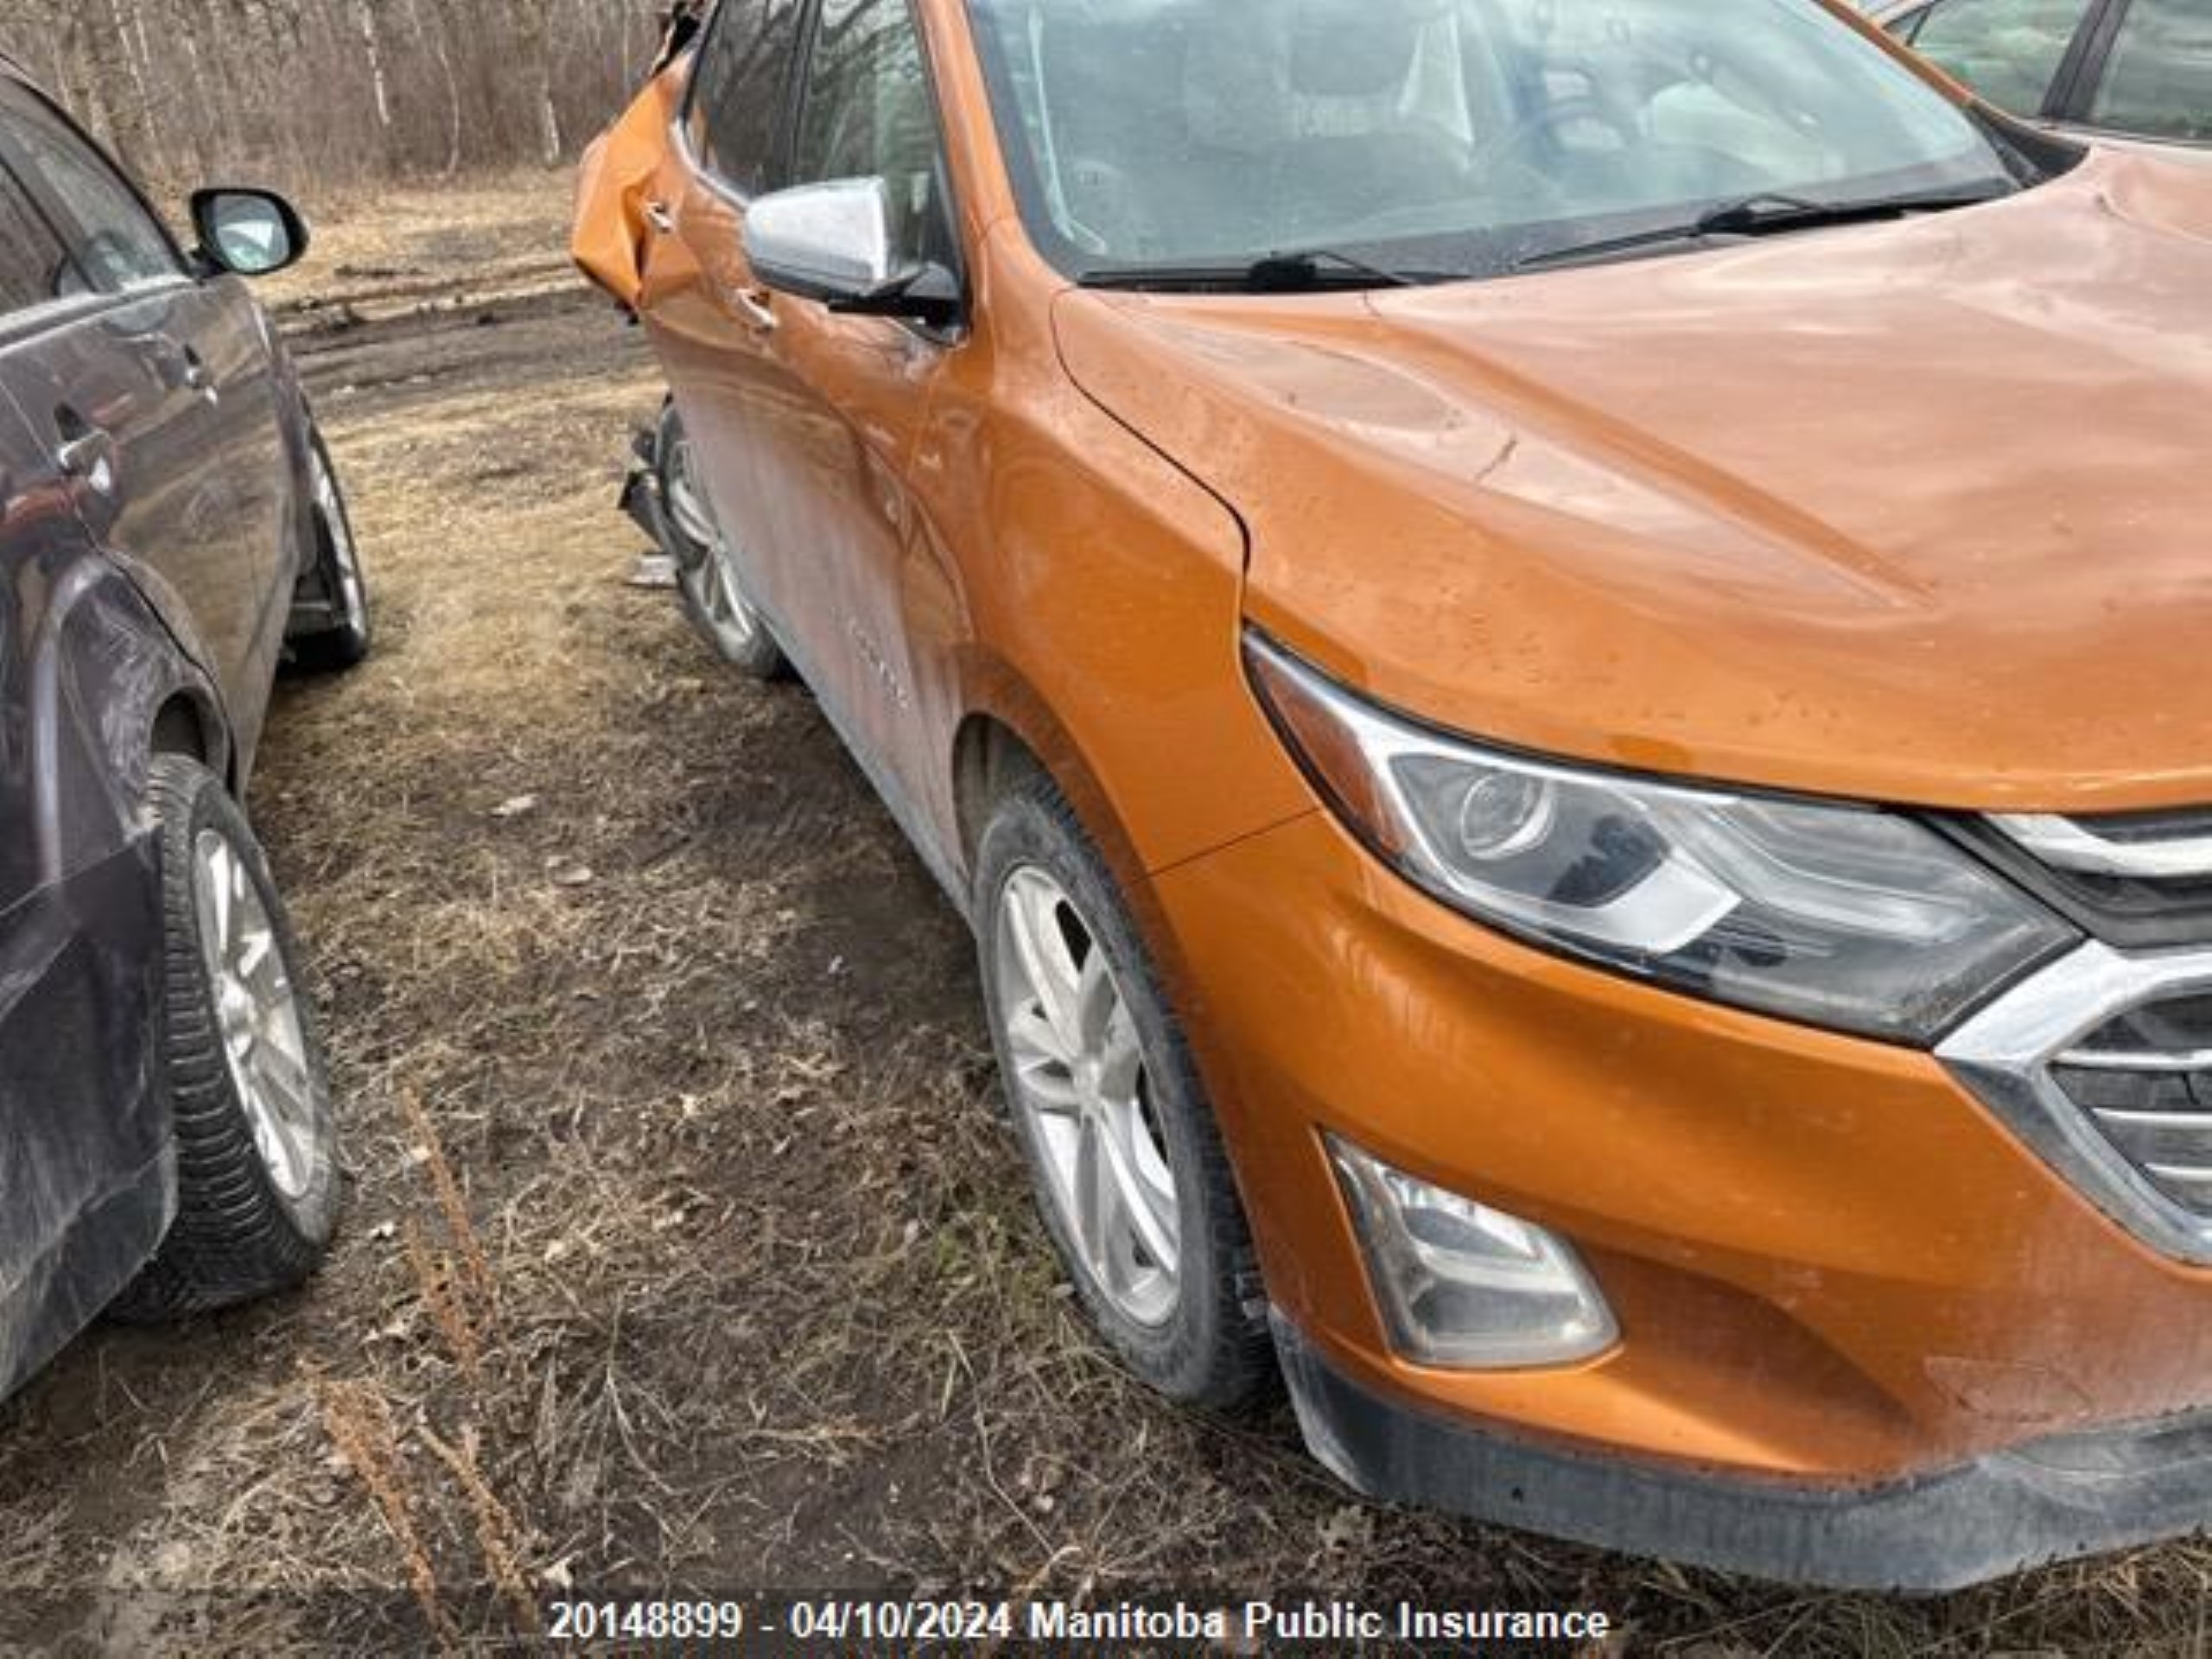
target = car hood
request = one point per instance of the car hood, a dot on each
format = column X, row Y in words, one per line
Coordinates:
column 2162, row 149
column 1918, row 512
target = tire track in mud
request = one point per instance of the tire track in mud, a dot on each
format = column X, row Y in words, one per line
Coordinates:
column 476, row 343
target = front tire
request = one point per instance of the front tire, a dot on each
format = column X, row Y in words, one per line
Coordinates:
column 241, row 1064
column 1128, row 1163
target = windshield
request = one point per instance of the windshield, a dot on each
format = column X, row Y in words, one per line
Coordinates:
column 1456, row 136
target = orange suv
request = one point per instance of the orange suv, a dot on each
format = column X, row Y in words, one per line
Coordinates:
column 1561, row 654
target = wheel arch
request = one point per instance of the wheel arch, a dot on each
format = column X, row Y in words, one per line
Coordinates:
column 186, row 723
column 1008, row 733
column 99, row 644
column 986, row 755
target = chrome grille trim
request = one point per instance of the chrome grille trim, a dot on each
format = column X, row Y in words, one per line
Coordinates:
column 2128, row 1060
column 2008, row 1054
column 2121, row 1118
column 2076, row 844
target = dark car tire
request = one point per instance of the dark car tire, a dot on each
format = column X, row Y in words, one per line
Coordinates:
column 249, row 1221
column 1211, row 1347
column 339, row 575
column 706, row 573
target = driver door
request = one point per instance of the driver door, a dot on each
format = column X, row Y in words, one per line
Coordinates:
column 844, row 399
column 806, row 420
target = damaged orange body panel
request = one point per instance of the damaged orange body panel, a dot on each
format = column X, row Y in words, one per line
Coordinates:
column 1621, row 594
column 618, row 176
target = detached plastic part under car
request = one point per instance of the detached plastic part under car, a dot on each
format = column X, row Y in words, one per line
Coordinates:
column 640, row 500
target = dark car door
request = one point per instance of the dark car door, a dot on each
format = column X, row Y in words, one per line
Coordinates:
column 162, row 398
column 84, row 1187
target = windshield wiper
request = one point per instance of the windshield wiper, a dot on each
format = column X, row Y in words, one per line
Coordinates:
column 1278, row 273
column 1766, row 214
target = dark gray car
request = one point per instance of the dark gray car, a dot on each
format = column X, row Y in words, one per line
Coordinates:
column 2136, row 72
column 172, row 532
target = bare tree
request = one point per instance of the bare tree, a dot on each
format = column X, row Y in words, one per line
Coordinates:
column 535, row 28
column 364, row 20
column 308, row 92
column 130, row 127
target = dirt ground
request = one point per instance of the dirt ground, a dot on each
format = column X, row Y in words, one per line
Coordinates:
column 683, row 1250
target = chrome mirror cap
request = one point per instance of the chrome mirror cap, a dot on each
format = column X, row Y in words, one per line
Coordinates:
column 823, row 241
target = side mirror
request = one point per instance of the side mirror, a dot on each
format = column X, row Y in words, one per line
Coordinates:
column 835, row 243
column 248, row 232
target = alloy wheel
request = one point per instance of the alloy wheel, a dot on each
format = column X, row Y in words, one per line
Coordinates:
column 1080, row 1079
column 257, row 1007
column 345, row 557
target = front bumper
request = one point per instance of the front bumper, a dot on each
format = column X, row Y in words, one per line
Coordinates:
column 1847, row 1292
column 2050, row 1500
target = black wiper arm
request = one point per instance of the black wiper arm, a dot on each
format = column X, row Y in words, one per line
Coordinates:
column 1766, row 214
column 1278, row 273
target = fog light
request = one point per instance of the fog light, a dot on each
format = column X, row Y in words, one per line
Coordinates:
column 1465, row 1286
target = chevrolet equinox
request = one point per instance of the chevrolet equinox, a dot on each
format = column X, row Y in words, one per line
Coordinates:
column 1560, row 653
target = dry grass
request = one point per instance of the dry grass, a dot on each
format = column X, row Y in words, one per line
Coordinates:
column 684, row 1249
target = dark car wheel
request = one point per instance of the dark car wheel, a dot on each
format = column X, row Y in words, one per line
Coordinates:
column 707, row 568
column 1128, row 1165
column 345, row 627
column 256, row 1143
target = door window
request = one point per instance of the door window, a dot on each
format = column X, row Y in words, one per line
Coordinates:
column 2009, row 51
column 2158, row 79
column 742, row 88
column 118, row 245
column 36, row 269
column 867, row 114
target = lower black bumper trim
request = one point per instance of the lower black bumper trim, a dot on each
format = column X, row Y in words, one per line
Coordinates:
column 2049, row 1501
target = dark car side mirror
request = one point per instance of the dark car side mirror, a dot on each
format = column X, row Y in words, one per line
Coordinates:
column 248, row 232
column 834, row 243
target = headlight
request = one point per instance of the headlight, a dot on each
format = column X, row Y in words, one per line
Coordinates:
column 1835, row 915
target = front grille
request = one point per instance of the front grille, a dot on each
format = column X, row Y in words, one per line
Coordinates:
column 2102, row 1063
column 2144, row 1077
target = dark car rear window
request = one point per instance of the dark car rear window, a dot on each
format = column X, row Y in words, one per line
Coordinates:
column 120, row 245
column 35, row 267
